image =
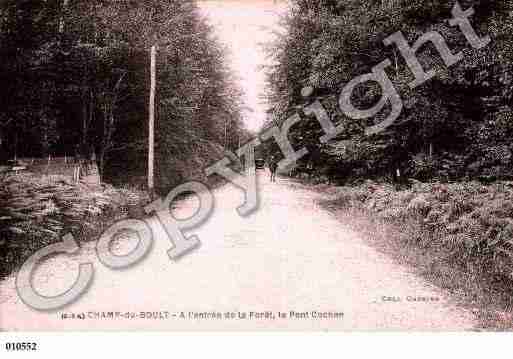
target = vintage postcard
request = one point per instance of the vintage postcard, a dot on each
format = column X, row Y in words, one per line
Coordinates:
column 256, row 166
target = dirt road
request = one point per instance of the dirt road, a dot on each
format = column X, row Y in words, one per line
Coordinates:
column 290, row 255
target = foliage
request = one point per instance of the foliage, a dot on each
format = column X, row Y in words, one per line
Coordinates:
column 467, row 220
column 460, row 113
column 35, row 212
column 75, row 78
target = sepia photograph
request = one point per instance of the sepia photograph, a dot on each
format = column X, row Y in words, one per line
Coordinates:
column 252, row 166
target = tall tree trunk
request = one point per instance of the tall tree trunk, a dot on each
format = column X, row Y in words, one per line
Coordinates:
column 63, row 11
column 109, row 106
column 105, row 141
column 90, row 121
column 85, row 116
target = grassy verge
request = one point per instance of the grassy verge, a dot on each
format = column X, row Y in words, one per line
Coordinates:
column 36, row 212
column 457, row 236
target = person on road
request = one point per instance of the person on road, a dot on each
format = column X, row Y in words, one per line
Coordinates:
column 309, row 169
column 273, row 167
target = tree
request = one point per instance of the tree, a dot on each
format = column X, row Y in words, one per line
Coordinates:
column 77, row 72
column 328, row 43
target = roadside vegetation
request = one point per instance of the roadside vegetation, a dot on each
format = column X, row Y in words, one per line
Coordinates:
column 459, row 236
column 456, row 126
column 37, row 211
column 76, row 83
column 435, row 187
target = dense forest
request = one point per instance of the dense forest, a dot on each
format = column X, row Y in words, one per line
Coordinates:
column 433, row 189
column 457, row 125
column 75, row 80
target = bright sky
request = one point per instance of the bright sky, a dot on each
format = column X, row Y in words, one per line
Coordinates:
column 242, row 26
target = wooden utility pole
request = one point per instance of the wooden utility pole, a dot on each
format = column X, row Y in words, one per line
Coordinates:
column 151, row 134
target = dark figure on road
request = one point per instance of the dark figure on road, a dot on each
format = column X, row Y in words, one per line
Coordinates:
column 273, row 167
column 309, row 169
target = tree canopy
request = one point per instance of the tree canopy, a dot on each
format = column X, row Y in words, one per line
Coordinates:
column 75, row 79
column 454, row 125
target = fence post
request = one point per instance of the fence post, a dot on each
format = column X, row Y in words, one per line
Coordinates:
column 76, row 174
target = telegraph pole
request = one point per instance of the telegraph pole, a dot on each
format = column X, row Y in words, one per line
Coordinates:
column 151, row 133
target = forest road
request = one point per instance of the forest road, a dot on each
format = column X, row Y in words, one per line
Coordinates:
column 291, row 255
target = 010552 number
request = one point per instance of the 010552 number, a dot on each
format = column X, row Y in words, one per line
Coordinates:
column 11, row 347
